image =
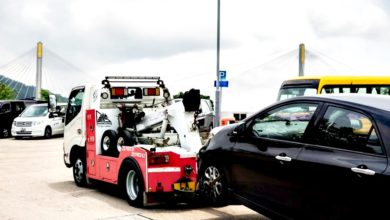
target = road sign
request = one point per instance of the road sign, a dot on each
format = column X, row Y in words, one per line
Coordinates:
column 221, row 83
column 222, row 75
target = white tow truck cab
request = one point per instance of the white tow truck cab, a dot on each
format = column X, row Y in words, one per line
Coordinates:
column 128, row 132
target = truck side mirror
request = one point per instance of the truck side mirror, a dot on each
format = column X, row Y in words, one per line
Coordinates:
column 52, row 102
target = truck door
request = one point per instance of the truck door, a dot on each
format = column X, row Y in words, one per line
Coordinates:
column 73, row 134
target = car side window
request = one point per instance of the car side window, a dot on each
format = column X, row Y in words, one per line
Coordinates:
column 5, row 108
column 288, row 122
column 346, row 129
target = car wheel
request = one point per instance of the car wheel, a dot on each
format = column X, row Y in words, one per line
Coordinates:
column 5, row 133
column 213, row 185
column 132, row 184
column 79, row 172
column 47, row 133
column 108, row 141
column 125, row 138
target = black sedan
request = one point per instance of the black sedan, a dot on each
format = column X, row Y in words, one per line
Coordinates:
column 322, row 157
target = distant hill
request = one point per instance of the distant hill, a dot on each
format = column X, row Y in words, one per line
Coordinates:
column 23, row 91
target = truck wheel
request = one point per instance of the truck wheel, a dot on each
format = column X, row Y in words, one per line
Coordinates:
column 132, row 184
column 108, row 141
column 79, row 171
column 125, row 138
column 213, row 185
column 47, row 133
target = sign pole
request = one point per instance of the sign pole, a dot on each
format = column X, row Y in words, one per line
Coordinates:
column 217, row 88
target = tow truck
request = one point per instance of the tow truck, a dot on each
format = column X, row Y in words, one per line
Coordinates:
column 128, row 132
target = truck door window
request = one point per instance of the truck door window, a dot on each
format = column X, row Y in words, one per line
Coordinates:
column 74, row 104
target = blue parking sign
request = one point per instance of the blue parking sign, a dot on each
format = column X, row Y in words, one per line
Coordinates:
column 222, row 75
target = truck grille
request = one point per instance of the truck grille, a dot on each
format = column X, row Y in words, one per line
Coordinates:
column 23, row 124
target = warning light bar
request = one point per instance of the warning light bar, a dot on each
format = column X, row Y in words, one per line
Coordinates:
column 151, row 92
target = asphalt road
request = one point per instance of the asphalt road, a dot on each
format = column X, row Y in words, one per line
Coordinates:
column 35, row 184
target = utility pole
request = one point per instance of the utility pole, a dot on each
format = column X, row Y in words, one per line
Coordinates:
column 38, row 84
column 217, row 87
column 301, row 59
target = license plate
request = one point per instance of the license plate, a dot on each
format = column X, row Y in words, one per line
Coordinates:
column 186, row 186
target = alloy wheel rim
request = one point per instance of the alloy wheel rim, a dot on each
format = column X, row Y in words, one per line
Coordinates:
column 132, row 187
column 215, row 187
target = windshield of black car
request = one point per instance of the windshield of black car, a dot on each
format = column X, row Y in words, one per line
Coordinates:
column 35, row 111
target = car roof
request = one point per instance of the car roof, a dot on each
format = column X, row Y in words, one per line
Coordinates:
column 370, row 100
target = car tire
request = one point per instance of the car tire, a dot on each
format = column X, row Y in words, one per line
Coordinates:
column 125, row 138
column 132, row 184
column 47, row 133
column 213, row 185
column 79, row 171
column 108, row 143
column 5, row 133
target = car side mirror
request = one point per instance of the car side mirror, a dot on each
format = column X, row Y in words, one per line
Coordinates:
column 239, row 130
column 51, row 115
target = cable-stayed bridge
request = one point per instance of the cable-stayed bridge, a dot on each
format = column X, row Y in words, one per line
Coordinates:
column 58, row 74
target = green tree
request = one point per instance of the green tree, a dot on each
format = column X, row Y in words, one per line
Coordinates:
column 45, row 94
column 181, row 94
column 6, row 92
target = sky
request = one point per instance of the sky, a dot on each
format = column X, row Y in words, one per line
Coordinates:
column 85, row 40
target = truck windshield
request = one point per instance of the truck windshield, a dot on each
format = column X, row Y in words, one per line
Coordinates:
column 35, row 111
column 291, row 92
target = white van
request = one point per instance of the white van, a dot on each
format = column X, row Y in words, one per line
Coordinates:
column 37, row 121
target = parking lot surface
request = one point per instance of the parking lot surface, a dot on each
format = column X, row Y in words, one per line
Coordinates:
column 35, row 184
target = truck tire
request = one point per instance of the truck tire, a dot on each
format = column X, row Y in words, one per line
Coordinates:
column 132, row 184
column 79, row 171
column 109, row 139
column 125, row 138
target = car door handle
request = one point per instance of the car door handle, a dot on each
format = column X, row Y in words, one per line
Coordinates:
column 283, row 158
column 363, row 171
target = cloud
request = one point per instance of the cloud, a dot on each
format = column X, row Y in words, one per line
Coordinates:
column 176, row 40
column 349, row 18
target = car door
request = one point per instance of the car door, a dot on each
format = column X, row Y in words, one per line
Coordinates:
column 57, row 123
column 341, row 167
column 263, row 158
